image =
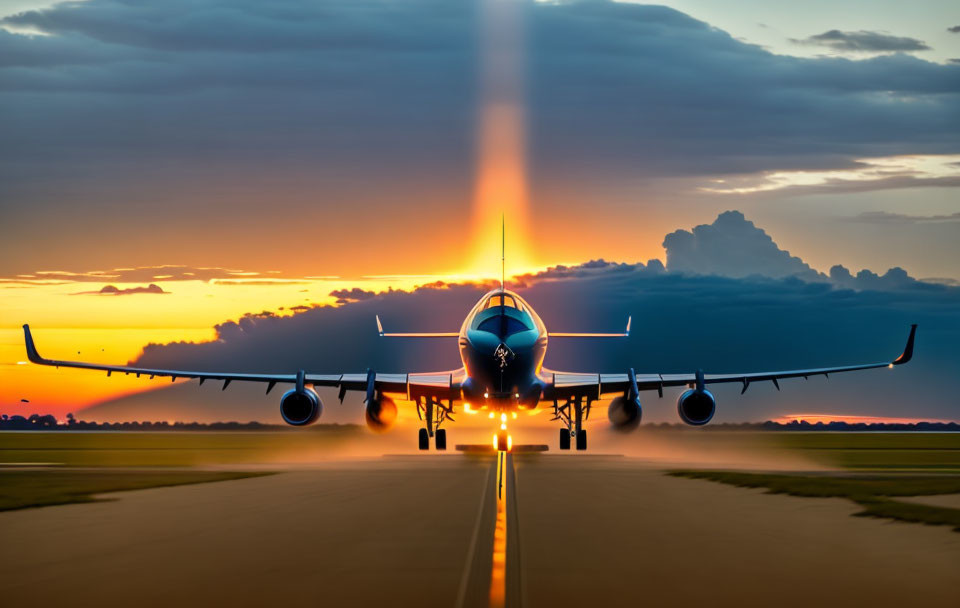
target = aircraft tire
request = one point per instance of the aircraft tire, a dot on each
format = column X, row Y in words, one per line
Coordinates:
column 441, row 439
column 424, row 440
column 564, row 439
column 582, row 440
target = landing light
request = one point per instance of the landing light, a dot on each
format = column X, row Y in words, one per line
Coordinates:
column 486, row 395
column 890, row 366
column 503, row 417
column 516, row 395
column 495, row 442
column 468, row 409
column 509, row 442
column 514, row 414
column 491, row 414
column 503, row 426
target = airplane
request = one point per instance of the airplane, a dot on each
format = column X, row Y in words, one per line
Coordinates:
column 502, row 344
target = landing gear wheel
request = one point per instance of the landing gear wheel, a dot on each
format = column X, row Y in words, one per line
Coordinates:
column 564, row 439
column 441, row 439
column 581, row 440
column 424, row 440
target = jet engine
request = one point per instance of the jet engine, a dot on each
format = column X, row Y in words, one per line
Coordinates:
column 300, row 408
column 696, row 407
column 625, row 414
column 381, row 414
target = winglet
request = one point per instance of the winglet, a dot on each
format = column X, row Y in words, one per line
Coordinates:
column 908, row 349
column 32, row 353
column 379, row 326
column 629, row 320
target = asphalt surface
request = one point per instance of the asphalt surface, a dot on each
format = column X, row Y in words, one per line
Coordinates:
column 581, row 530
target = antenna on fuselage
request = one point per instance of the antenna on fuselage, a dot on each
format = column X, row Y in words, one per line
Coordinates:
column 503, row 250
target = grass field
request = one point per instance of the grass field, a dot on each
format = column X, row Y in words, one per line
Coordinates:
column 37, row 488
column 874, row 493
column 912, row 456
column 938, row 452
column 168, row 449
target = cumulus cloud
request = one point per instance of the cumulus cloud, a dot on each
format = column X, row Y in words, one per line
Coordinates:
column 113, row 290
column 864, row 41
column 894, row 278
column 732, row 246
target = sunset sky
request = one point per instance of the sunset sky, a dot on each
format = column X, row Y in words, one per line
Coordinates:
column 244, row 156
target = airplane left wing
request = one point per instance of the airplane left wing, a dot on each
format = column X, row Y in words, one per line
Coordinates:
column 563, row 385
column 443, row 385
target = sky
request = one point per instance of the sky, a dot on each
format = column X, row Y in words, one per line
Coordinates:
column 244, row 156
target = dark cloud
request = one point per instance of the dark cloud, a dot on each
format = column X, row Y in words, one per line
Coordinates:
column 356, row 294
column 903, row 218
column 681, row 322
column 864, row 41
column 895, row 278
column 732, row 246
column 305, row 84
column 113, row 290
column 955, row 29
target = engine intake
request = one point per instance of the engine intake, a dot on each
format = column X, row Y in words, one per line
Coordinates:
column 381, row 414
column 696, row 407
column 300, row 408
column 625, row 414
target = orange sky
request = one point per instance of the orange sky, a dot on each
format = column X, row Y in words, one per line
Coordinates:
column 69, row 323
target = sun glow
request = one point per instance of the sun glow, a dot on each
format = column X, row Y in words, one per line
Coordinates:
column 500, row 187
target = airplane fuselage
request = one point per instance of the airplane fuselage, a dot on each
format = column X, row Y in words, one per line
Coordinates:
column 502, row 345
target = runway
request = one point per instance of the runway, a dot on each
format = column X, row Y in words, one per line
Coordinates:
column 581, row 530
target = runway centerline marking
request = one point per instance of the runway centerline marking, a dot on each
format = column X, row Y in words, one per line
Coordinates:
column 498, row 574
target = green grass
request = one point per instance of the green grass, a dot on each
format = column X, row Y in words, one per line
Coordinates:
column 24, row 489
column 873, row 493
column 169, row 449
column 918, row 451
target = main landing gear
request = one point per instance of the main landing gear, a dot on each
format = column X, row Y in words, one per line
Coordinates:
column 434, row 413
column 440, row 438
column 572, row 414
column 566, row 435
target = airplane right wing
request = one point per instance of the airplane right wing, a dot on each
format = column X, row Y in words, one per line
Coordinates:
column 562, row 385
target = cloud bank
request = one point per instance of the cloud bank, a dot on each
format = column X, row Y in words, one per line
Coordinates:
column 761, row 319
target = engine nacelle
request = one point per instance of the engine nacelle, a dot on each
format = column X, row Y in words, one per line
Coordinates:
column 381, row 414
column 625, row 414
column 696, row 408
column 300, row 408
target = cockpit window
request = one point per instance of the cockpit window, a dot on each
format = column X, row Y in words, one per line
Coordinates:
column 509, row 324
column 496, row 301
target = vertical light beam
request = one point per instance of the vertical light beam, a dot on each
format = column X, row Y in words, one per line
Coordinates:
column 500, row 187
